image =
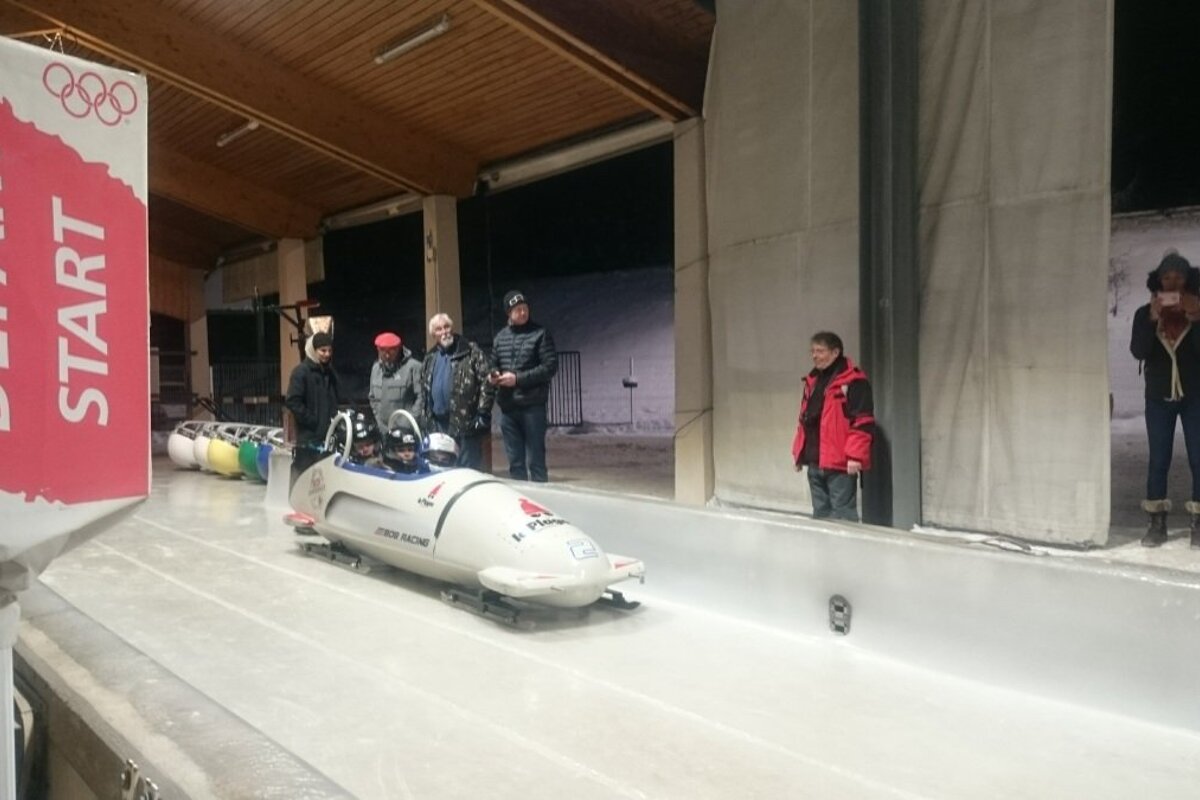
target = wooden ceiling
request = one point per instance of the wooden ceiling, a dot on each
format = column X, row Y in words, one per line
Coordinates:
column 336, row 130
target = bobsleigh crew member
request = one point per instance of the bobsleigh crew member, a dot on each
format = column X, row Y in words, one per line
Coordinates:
column 441, row 451
column 395, row 379
column 364, row 446
column 835, row 429
column 523, row 362
column 312, row 394
column 400, row 451
column 456, row 397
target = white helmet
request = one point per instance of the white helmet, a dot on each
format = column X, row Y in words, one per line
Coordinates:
column 441, row 451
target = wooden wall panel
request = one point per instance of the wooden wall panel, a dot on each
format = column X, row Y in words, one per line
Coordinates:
column 170, row 286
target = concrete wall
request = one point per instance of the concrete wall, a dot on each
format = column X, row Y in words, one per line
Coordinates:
column 781, row 141
column 1013, row 156
column 1014, row 151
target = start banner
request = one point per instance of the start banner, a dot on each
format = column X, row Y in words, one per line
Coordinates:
column 74, row 302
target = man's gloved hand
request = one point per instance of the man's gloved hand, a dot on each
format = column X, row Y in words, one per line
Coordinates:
column 483, row 422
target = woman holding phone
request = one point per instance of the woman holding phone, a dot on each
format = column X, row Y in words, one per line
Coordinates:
column 1166, row 341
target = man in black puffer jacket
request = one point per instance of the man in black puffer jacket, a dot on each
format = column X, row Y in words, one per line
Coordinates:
column 523, row 362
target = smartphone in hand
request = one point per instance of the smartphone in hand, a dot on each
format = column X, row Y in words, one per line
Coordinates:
column 1168, row 298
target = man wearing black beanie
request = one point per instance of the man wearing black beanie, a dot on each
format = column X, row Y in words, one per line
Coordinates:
column 312, row 394
column 523, row 362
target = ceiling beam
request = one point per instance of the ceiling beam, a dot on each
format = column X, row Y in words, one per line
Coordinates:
column 145, row 35
column 225, row 196
column 618, row 43
column 181, row 247
column 17, row 23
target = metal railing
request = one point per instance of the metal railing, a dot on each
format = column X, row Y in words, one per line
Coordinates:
column 565, row 406
column 171, row 393
column 248, row 391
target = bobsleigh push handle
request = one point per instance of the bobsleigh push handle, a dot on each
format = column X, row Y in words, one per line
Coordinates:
column 401, row 413
column 342, row 418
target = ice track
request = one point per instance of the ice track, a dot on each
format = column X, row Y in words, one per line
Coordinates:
column 381, row 690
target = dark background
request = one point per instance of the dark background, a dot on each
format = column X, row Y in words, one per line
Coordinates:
column 1156, row 105
column 616, row 215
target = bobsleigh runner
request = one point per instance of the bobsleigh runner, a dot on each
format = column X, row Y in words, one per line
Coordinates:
column 455, row 524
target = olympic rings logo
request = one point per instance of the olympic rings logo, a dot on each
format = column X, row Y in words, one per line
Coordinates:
column 89, row 93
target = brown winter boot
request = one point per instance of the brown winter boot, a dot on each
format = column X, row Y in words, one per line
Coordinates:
column 1193, row 508
column 1156, row 533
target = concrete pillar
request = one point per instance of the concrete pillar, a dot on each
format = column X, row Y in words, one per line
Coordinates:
column 889, row 271
column 693, row 322
column 443, row 291
column 293, row 287
column 199, row 373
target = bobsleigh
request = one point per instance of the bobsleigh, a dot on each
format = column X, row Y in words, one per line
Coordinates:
column 456, row 525
column 230, row 449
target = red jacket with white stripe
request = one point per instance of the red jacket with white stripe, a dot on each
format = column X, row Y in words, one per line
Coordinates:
column 847, row 423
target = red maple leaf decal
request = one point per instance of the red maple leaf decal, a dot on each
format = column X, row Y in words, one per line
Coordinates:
column 531, row 508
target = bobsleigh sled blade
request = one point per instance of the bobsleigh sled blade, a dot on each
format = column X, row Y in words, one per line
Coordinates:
column 520, row 583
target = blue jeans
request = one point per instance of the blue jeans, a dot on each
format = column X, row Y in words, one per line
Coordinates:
column 1160, row 433
column 524, row 431
column 470, row 451
column 834, row 494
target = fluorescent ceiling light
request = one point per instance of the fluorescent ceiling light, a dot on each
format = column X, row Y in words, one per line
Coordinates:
column 382, row 209
column 237, row 133
column 508, row 174
column 412, row 39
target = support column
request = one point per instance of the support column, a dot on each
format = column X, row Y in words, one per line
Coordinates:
column 293, row 287
column 443, row 292
column 693, row 322
column 889, row 273
column 199, row 373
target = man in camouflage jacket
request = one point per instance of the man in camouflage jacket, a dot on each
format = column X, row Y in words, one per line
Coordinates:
column 456, row 397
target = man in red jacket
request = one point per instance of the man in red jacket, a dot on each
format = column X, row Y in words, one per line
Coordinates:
column 834, row 432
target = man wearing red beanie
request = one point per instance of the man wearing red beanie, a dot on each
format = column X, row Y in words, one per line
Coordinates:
column 395, row 379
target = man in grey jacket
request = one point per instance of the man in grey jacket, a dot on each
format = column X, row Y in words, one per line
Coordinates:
column 395, row 379
column 523, row 362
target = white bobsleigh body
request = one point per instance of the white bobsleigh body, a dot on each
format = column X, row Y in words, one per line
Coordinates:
column 181, row 444
column 460, row 526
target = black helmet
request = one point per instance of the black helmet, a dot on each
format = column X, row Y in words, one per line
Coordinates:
column 398, row 440
column 364, row 437
column 364, row 428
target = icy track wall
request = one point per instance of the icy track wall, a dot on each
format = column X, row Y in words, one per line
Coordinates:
column 1087, row 632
